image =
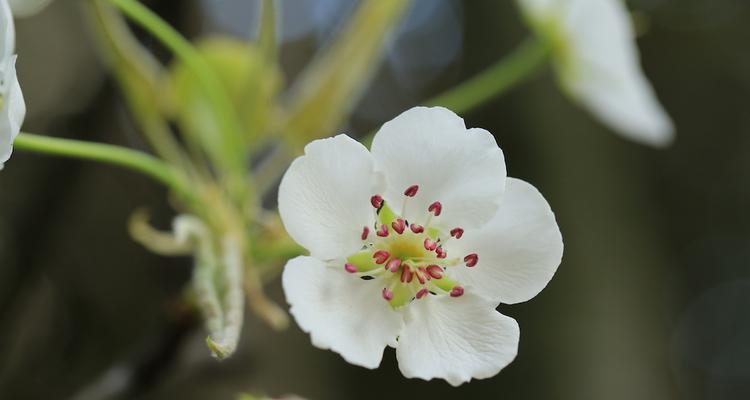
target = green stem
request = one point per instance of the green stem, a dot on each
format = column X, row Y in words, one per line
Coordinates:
column 138, row 74
column 496, row 79
column 216, row 95
column 267, row 41
column 107, row 153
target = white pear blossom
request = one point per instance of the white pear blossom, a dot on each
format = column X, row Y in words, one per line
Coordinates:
column 413, row 245
column 26, row 8
column 12, row 105
column 597, row 62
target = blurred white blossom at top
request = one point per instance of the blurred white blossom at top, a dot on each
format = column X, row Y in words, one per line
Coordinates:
column 598, row 64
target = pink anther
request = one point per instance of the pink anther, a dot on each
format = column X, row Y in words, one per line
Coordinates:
column 399, row 226
column 411, row 191
column 435, row 271
column 406, row 275
column 424, row 273
column 416, row 228
column 435, row 208
column 376, row 201
column 393, row 265
column 441, row 253
column 471, row 260
column 382, row 230
column 420, row 277
column 381, row 256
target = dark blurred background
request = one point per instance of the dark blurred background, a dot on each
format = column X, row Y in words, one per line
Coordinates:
column 652, row 300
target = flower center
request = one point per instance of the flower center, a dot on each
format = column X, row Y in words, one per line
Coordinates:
column 408, row 256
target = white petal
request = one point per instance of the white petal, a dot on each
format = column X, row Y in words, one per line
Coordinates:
column 324, row 197
column 519, row 249
column 599, row 65
column 7, row 31
column 431, row 147
column 13, row 110
column 340, row 311
column 455, row 339
column 25, row 8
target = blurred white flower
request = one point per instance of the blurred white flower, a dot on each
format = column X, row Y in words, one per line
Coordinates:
column 25, row 8
column 12, row 105
column 598, row 64
column 413, row 245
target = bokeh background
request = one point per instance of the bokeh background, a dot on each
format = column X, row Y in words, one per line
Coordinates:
column 652, row 300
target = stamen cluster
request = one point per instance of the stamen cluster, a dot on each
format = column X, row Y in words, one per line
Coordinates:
column 409, row 259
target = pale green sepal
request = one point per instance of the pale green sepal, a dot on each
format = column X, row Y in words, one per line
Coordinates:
column 402, row 295
column 386, row 215
column 445, row 283
column 363, row 261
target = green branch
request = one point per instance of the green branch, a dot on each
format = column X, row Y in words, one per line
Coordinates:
column 496, row 79
column 492, row 82
column 106, row 153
